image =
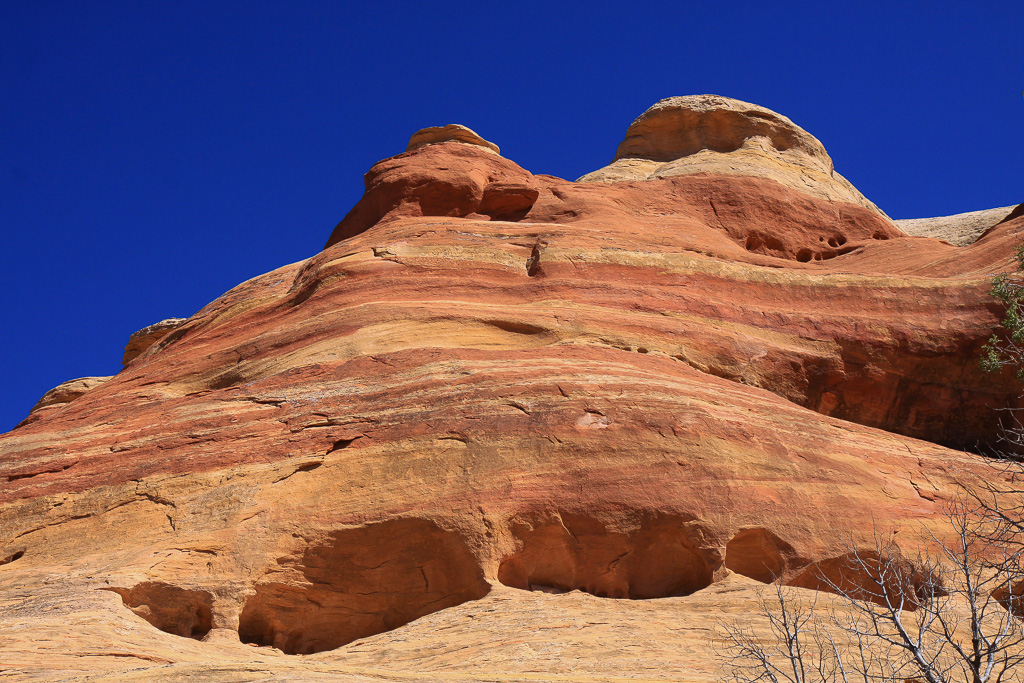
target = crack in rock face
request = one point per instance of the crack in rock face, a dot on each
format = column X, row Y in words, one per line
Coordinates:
column 659, row 559
column 174, row 610
column 359, row 583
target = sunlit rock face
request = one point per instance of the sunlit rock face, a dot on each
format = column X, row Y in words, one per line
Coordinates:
column 720, row 135
column 452, row 132
column 140, row 341
column 960, row 229
column 503, row 420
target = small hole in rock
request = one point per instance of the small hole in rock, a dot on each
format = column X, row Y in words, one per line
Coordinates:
column 1011, row 598
column 804, row 255
column 180, row 612
column 879, row 236
column 226, row 379
column 338, row 445
column 764, row 244
column 11, row 558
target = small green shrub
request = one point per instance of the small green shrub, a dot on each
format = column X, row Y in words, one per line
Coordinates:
column 1006, row 349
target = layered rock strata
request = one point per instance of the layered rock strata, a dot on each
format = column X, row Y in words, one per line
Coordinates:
column 66, row 392
column 501, row 404
column 960, row 229
column 452, row 132
column 141, row 340
column 722, row 136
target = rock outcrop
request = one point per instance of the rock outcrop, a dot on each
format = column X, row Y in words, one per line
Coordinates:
column 722, row 136
column 502, row 418
column 960, row 229
column 141, row 340
column 453, row 132
column 66, row 392
column 444, row 178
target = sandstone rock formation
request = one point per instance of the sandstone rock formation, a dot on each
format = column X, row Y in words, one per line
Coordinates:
column 453, row 132
column 138, row 343
column 441, row 179
column 722, row 136
column 960, row 230
column 141, row 340
column 66, row 392
column 509, row 427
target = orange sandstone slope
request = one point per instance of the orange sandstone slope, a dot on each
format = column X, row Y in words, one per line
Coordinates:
column 711, row 363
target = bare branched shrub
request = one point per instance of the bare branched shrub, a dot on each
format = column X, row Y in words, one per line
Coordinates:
column 951, row 615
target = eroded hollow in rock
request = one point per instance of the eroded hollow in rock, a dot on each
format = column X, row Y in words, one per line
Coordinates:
column 12, row 557
column 175, row 610
column 1011, row 597
column 758, row 554
column 573, row 552
column 361, row 582
column 867, row 575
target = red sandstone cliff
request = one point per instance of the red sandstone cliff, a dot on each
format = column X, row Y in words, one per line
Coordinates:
column 711, row 363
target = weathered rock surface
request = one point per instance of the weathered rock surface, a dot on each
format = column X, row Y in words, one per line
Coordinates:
column 453, row 132
column 505, row 427
column 66, row 392
column 442, row 179
column 720, row 135
column 960, row 229
column 141, row 340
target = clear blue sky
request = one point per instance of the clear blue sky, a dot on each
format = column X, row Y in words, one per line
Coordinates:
column 153, row 155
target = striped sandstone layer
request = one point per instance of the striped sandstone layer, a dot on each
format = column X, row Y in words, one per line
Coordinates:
column 719, row 135
column 401, row 458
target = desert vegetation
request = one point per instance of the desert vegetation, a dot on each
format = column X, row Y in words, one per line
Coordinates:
column 952, row 613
